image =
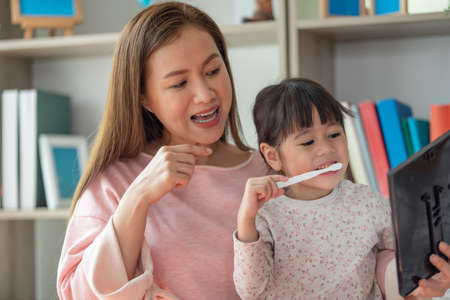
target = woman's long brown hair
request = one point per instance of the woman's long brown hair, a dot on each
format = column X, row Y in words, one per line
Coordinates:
column 127, row 127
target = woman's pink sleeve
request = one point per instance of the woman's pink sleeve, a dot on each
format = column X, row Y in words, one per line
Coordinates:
column 91, row 264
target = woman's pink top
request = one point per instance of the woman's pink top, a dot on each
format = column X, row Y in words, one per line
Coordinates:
column 188, row 247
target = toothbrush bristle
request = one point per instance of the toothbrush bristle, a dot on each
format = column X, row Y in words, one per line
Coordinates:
column 335, row 166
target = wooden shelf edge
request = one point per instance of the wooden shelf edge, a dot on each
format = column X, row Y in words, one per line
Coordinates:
column 103, row 43
column 378, row 26
column 36, row 214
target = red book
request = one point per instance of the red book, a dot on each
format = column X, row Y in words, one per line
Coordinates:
column 439, row 120
column 374, row 136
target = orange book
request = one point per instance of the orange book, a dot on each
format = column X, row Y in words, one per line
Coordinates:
column 439, row 120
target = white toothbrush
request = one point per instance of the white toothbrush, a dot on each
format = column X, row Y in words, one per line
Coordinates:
column 308, row 175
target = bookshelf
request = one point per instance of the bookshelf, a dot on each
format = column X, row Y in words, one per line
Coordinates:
column 34, row 215
column 374, row 57
column 338, row 52
column 60, row 64
column 103, row 43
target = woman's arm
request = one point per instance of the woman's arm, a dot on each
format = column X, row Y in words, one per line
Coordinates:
column 171, row 167
column 104, row 244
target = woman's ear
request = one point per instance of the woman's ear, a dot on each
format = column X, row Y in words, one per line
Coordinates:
column 145, row 103
column 271, row 156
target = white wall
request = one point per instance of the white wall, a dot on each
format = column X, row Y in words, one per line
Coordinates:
column 85, row 79
column 413, row 70
column 253, row 68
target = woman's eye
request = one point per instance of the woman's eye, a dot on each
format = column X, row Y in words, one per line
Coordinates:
column 308, row 143
column 179, row 85
column 334, row 135
column 213, row 72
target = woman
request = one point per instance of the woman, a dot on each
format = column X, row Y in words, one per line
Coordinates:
column 138, row 229
column 154, row 212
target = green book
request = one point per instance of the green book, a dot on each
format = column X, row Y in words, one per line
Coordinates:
column 307, row 9
column 407, row 136
column 40, row 112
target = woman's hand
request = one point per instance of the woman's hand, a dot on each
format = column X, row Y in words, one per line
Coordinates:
column 257, row 192
column 172, row 166
column 438, row 284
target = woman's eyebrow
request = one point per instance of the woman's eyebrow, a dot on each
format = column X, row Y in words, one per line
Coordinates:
column 182, row 71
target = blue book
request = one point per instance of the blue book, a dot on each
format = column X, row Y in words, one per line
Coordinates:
column 387, row 7
column 390, row 112
column 364, row 148
column 344, row 7
column 420, row 133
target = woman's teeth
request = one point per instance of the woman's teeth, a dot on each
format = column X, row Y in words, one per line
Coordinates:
column 204, row 118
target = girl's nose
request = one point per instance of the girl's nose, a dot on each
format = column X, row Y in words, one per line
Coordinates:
column 325, row 147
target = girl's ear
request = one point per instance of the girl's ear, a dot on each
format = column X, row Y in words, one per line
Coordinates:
column 271, row 156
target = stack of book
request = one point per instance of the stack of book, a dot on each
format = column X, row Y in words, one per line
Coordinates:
column 26, row 114
column 383, row 134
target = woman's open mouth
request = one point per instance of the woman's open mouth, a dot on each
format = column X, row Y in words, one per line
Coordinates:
column 207, row 119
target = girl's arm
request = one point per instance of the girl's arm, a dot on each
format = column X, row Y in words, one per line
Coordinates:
column 253, row 249
column 257, row 192
column 253, row 263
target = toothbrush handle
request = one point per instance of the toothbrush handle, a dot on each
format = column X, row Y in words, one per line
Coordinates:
column 299, row 178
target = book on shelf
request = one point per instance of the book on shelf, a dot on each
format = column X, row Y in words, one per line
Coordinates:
column 390, row 112
column 375, row 142
column 10, row 149
column 407, row 135
column 356, row 159
column 439, row 120
column 383, row 7
column 428, row 6
column 367, row 159
column 307, row 9
column 345, row 7
column 420, row 133
column 40, row 112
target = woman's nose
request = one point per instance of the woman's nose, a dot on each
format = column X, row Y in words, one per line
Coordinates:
column 203, row 93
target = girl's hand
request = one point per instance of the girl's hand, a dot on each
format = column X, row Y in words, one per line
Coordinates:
column 257, row 192
column 438, row 284
column 171, row 167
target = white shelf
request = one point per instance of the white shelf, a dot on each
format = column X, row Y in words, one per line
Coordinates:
column 386, row 26
column 103, row 44
column 37, row 214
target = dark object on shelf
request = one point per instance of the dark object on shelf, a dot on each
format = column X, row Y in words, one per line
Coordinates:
column 419, row 191
column 263, row 11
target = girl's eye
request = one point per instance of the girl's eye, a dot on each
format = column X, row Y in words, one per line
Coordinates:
column 213, row 72
column 308, row 143
column 179, row 85
column 334, row 135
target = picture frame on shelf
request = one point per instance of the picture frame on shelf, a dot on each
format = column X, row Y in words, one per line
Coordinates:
column 50, row 14
column 63, row 158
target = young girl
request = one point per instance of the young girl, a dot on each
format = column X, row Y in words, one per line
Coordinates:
column 318, row 239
